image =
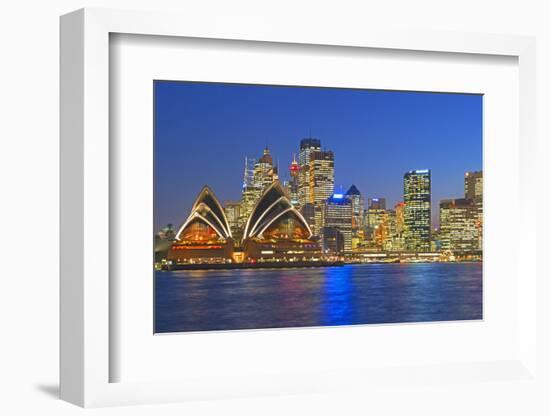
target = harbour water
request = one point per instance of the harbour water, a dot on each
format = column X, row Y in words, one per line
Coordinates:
column 205, row 300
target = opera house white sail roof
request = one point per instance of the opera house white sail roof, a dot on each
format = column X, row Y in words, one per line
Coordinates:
column 207, row 211
column 272, row 209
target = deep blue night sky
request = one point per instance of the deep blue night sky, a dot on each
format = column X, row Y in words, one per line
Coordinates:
column 204, row 131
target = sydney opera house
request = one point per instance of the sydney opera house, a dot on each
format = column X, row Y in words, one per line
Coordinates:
column 205, row 234
column 274, row 231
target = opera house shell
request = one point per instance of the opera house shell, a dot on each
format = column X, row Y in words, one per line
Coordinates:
column 275, row 231
column 205, row 235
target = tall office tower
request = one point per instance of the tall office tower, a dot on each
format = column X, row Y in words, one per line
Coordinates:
column 473, row 185
column 399, row 217
column 275, row 172
column 377, row 203
column 250, row 192
column 357, row 207
column 384, row 231
column 391, row 242
column 337, row 220
column 417, row 197
column 264, row 171
column 398, row 238
column 308, row 212
column 460, row 230
column 473, row 189
column 321, row 183
column 375, row 212
column 258, row 176
column 294, row 170
column 232, row 211
column 307, row 146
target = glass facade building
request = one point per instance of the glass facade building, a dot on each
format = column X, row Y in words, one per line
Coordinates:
column 232, row 211
column 473, row 185
column 357, row 207
column 473, row 189
column 337, row 224
column 460, row 229
column 417, row 214
column 263, row 172
column 321, row 184
column 374, row 215
column 293, row 184
column 398, row 243
column 307, row 147
column 258, row 176
column 250, row 193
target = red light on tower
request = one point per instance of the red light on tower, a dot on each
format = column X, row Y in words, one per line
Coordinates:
column 294, row 168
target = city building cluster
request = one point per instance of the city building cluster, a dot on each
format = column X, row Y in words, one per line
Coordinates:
column 304, row 219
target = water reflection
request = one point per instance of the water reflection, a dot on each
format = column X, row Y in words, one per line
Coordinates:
column 354, row 294
column 337, row 307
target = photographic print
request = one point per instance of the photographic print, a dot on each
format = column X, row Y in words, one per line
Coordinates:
column 290, row 206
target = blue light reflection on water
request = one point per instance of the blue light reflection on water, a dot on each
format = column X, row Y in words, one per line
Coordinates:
column 202, row 300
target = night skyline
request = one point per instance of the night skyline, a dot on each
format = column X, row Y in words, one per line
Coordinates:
column 204, row 131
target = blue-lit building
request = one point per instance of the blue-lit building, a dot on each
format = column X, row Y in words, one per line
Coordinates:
column 337, row 225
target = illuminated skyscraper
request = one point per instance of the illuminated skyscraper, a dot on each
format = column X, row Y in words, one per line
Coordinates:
column 460, row 229
column 232, row 211
column 400, row 217
column 473, row 189
column 337, row 220
column 398, row 243
column 264, row 171
column 308, row 211
column 357, row 207
column 391, row 242
column 275, row 173
column 307, row 146
column 417, row 215
column 375, row 213
column 315, row 179
column 250, row 192
column 321, row 176
column 473, row 185
column 385, row 230
column 293, row 187
column 377, row 203
column 380, row 226
column 321, row 183
column 258, row 176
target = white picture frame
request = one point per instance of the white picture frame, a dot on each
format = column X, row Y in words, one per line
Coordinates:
column 85, row 202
